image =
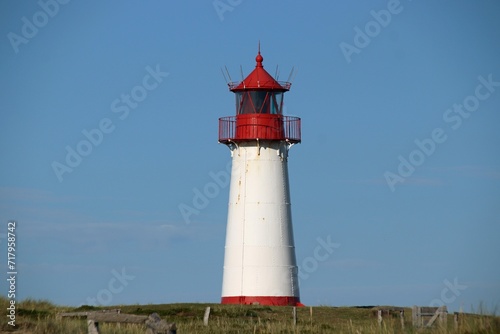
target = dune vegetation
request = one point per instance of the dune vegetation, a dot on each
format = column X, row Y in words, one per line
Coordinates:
column 41, row 316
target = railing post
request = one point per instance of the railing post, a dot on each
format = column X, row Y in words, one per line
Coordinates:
column 206, row 316
column 414, row 316
column 92, row 327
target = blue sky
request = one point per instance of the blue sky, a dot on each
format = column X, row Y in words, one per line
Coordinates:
column 399, row 164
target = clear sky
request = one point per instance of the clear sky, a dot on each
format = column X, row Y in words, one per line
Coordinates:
column 109, row 150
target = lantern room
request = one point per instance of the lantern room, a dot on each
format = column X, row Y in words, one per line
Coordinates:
column 259, row 110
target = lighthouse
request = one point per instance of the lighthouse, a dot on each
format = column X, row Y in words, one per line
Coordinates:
column 259, row 262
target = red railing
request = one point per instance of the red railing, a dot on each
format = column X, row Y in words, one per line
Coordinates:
column 285, row 84
column 251, row 128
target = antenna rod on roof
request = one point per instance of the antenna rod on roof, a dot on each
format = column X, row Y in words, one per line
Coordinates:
column 290, row 76
column 229, row 76
column 277, row 74
column 294, row 75
column 225, row 79
column 241, row 72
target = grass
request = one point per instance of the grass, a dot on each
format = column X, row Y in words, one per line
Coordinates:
column 39, row 316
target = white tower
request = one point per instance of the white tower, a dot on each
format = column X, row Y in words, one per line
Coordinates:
column 259, row 264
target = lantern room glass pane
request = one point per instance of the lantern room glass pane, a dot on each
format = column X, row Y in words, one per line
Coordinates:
column 239, row 97
column 259, row 102
column 246, row 104
column 276, row 103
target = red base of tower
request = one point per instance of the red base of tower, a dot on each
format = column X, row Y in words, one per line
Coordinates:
column 262, row 300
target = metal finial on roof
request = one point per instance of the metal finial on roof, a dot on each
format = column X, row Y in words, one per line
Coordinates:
column 259, row 79
column 259, row 58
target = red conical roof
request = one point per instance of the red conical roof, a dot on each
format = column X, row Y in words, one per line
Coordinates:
column 259, row 79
